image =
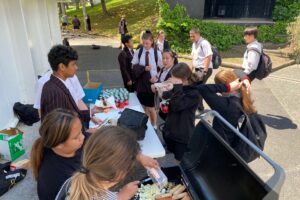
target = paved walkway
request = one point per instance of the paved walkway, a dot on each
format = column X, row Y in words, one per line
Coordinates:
column 276, row 98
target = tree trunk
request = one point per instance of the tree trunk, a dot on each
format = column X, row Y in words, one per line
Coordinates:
column 63, row 8
column 59, row 8
column 77, row 4
column 104, row 9
column 84, row 13
column 67, row 6
column 92, row 3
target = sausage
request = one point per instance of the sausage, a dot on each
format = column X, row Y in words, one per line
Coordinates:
column 179, row 196
column 179, row 190
column 175, row 188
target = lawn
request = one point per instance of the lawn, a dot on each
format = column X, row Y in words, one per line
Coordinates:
column 140, row 15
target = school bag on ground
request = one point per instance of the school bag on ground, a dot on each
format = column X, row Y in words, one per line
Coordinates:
column 26, row 113
column 264, row 67
column 254, row 129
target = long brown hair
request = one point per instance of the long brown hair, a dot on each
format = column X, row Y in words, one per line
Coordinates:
column 228, row 76
column 55, row 129
column 183, row 71
column 109, row 154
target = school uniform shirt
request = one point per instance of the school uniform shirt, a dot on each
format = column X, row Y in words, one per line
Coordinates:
column 164, row 74
column 226, row 106
column 251, row 57
column 55, row 94
column 64, row 19
column 180, row 122
column 55, row 170
column 152, row 63
column 161, row 46
column 200, row 51
column 72, row 84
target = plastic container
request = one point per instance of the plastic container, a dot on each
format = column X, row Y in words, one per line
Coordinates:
column 158, row 177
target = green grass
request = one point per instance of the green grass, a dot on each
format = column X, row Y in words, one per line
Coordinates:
column 140, row 15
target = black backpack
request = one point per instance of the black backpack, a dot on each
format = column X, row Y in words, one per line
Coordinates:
column 26, row 113
column 264, row 67
column 134, row 120
column 254, row 129
column 216, row 57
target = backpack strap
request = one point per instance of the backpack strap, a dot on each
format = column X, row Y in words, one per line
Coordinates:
column 155, row 54
column 254, row 49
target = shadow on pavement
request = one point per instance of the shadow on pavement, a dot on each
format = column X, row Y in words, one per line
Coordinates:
column 278, row 122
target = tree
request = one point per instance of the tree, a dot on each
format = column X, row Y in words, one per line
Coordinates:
column 77, row 4
column 63, row 8
column 92, row 3
column 104, row 9
column 59, row 8
column 84, row 13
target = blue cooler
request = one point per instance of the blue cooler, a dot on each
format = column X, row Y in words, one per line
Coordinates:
column 92, row 91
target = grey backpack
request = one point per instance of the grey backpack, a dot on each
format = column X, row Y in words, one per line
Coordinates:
column 264, row 67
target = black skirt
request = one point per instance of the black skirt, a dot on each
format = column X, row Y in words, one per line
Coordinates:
column 146, row 99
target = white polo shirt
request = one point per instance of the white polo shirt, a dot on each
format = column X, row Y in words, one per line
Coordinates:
column 152, row 62
column 72, row 84
column 200, row 51
column 251, row 58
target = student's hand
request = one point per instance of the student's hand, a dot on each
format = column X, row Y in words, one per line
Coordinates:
column 129, row 83
column 175, row 81
column 128, row 191
column 153, row 79
column 235, row 85
column 96, row 109
column 147, row 161
column 96, row 121
column 247, row 84
column 147, row 68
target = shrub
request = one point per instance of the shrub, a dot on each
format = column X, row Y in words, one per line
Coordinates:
column 177, row 24
column 294, row 33
column 286, row 10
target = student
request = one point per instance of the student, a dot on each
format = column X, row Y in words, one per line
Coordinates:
column 145, row 69
column 162, row 44
column 66, row 42
column 72, row 84
column 88, row 23
column 183, row 102
column 57, row 153
column 234, row 94
column 64, row 21
column 125, row 59
column 252, row 55
column 165, row 74
column 202, row 58
column 76, row 23
column 96, row 176
column 122, row 28
column 55, row 92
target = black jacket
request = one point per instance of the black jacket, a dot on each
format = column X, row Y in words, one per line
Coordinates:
column 166, row 45
column 180, row 122
column 226, row 106
column 125, row 58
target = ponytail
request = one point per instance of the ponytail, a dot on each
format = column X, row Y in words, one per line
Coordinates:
column 246, row 100
column 82, row 188
column 36, row 157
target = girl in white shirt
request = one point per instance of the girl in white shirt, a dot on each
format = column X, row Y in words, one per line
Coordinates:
column 146, row 63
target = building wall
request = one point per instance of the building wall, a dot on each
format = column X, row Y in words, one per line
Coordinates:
column 29, row 29
column 195, row 8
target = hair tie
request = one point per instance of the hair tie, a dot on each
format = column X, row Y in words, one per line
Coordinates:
column 83, row 170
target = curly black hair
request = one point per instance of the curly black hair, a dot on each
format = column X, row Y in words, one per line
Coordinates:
column 61, row 54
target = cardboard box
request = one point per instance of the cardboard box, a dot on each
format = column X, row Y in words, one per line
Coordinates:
column 11, row 144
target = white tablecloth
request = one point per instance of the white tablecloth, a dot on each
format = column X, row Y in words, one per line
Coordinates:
column 151, row 145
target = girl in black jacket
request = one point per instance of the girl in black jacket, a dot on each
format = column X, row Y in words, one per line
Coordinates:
column 183, row 101
column 235, row 94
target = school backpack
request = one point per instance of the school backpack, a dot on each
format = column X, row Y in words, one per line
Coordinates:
column 264, row 67
column 216, row 57
column 254, row 129
column 26, row 113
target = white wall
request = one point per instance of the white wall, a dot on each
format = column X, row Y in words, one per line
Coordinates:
column 29, row 29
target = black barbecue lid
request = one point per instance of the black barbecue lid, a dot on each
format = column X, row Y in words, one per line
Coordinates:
column 213, row 170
